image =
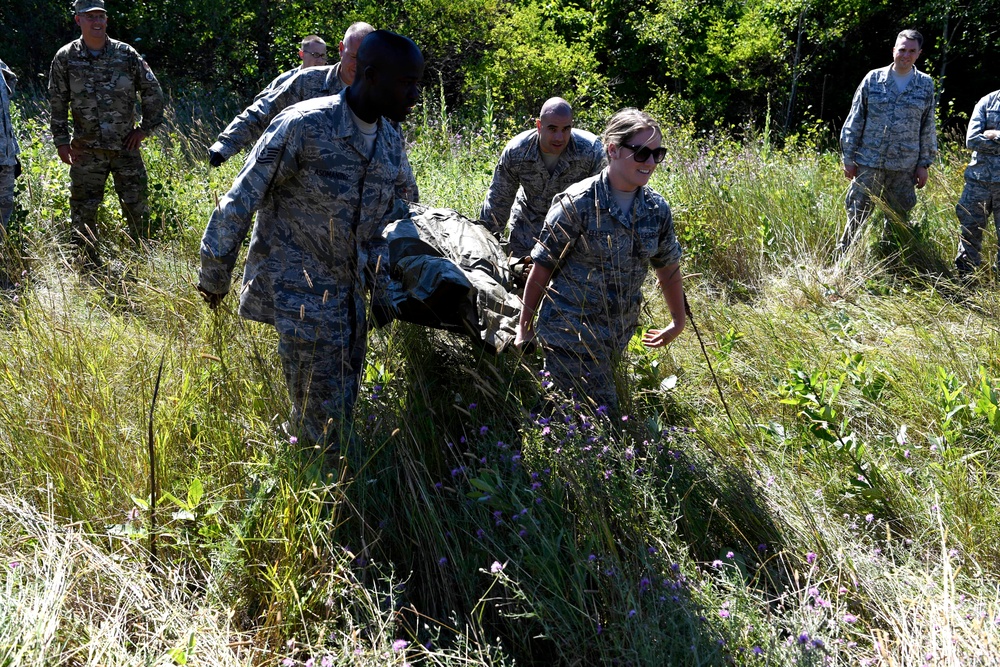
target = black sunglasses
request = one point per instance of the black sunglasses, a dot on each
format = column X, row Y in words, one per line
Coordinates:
column 314, row 54
column 642, row 153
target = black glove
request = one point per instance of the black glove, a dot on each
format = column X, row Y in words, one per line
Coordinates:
column 211, row 298
column 17, row 167
column 215, row 158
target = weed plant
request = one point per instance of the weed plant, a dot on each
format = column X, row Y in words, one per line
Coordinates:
column 807, row 476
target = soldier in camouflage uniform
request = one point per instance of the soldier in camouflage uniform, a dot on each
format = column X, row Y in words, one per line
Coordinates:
column 599, row 238
column 312, row 52
column 981, row 195
column 535, row 166
column 98, row 78
column 291, row 87
column 324, row 180
column 10, row 165
column 888, row 140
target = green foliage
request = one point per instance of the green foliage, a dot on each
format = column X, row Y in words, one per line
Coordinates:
column 855, row 479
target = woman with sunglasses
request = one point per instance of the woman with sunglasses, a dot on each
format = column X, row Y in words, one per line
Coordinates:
column 599, row 238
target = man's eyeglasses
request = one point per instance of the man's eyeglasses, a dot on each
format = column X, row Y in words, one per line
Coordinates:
column 315, row 54
column 642, row 153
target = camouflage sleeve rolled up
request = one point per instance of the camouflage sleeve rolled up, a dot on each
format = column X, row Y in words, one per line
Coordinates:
column 270, row 162
column 59, row 97
column 500, row 195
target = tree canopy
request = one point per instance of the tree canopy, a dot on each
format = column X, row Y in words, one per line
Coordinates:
column 715, row 62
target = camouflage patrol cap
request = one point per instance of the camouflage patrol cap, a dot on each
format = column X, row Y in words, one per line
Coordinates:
column 84, row 6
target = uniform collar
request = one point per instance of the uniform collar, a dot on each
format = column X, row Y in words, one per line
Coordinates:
column 606, row 200
column 85, row 50
column 345, row 128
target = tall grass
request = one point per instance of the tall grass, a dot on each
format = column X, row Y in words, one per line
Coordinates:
column 846, row 513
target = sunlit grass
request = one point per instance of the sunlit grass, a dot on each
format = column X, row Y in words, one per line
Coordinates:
column 847, row 512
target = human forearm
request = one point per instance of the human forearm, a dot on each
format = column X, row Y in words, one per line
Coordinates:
column 669, row 280
column 538, row 280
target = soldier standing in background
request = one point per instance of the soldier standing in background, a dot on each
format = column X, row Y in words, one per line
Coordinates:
column 10, row 165
column 312, row 52
column 323, row 179
column 302, row 84
column 888, row 140
column 981, row 195
column 535, row 166
column 98, row 78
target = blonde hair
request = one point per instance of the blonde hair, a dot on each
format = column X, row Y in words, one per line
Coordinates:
column 626, row 123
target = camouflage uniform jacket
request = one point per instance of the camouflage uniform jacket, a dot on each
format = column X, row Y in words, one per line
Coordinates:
column 985, row 164
column 9, row 149
column 304, row 84
column 322, row 205
column 101, row 92
column 300, row 85
column 888, row 129
column 593, row 298
column 522, row 188
column 279, row 81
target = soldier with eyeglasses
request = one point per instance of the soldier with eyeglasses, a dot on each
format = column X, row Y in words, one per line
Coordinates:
column 312, row 52
column 303, row 83
column 598, row 241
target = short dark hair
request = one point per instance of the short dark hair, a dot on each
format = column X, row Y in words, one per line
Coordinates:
column 384, row 48
column 912, row 34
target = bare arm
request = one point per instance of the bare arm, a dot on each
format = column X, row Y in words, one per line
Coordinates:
column 669, row 280
column 538, row 280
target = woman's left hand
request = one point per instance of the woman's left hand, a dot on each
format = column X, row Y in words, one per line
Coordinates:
column 660, row 337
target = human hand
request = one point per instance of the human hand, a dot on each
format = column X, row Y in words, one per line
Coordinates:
column 66, row 154
column 215, row 158
column 211, row 298
column 992, row 135
column 134, row 139
column 524, row 339
column 661, row 337
column 920, row 177
column 17, row 168
column 850, row 171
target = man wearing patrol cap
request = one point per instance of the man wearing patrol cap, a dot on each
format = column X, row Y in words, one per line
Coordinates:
column 98, row 78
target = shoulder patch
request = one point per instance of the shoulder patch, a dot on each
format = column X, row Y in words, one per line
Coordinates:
column 267, row 154
column 149, row 71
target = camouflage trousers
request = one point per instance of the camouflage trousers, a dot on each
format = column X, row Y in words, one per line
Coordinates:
column 323, row 378
column 892, row 191
column 87, row 176
column 590, row 376
column 6, row 193
column 979, row 199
